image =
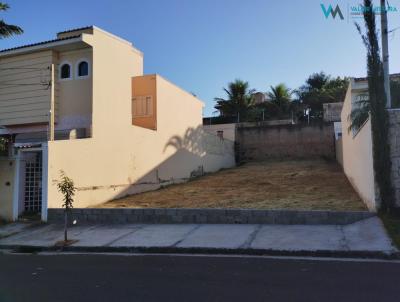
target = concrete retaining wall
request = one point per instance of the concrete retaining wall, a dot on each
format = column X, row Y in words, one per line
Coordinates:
column 394, row 141
column 212, row 216
column 285, row 141
column 339, row 151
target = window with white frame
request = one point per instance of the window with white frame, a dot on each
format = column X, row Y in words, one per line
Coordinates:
column 142, row 106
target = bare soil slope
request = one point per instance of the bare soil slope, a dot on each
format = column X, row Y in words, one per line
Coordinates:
column 265, row 185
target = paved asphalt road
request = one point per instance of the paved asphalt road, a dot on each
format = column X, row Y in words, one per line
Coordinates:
column 76, row 278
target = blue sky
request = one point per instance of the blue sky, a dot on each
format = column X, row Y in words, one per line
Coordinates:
column 201, row 45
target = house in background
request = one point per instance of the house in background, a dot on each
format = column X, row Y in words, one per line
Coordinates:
column 224, row 131
column 259, row 97
column 332, row 111
column 81, row 104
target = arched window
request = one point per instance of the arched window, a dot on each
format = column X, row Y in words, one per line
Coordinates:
column 83, row 69
column 65, row 72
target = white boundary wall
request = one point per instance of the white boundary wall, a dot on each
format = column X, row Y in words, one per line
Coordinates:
column 357, row 150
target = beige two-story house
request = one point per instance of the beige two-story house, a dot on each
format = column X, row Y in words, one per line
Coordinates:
column 81, row 104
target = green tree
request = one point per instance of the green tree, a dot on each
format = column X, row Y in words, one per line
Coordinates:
column 7, row 30
column 67, row 188
column 238, row 102
column 379, row 115
column 359, row 114
column 280, row 96
column 317, row 81
column 321, row 88
column 361, row 109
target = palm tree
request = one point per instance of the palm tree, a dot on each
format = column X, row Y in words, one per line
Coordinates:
column 362, row 109
column 238, row 102
column 280, row 96
column 359, row 114
column 7, row 30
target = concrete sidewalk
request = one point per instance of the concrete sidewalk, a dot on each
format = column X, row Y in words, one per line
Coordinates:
column 366, row 237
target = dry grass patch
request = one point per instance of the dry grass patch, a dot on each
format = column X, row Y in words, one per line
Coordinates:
column 265, row 185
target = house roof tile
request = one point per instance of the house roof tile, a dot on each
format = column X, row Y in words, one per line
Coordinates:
column 39, row 43
column 74, row 29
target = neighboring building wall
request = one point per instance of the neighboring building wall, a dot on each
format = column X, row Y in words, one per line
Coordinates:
column 185, row 144
column 338, row 142
column 74, row 96
column 259, row 97
column 115, row 62
column 357, row 151
column 7, row 169
column 227, row 130
column 121, row 158
column 332, row 111
column 34, row 98
column 358, row 164
column 144, row 101
column 394, row 140
column 285, row 141
column 339, row 151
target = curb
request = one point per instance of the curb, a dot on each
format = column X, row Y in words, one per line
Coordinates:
column 394, row 255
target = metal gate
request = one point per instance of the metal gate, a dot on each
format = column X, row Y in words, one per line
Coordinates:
column 33, row 183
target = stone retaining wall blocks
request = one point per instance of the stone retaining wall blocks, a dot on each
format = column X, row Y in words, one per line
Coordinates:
column 210, row 216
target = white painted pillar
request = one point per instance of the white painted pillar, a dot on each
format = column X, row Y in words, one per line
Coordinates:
column 52, row 97
column 16, row 188
column 45, row 185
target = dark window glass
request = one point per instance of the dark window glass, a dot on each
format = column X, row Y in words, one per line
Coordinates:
column 65, row 71
column 83, row 69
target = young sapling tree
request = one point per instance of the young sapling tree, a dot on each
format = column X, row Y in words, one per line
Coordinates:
column 67, row 188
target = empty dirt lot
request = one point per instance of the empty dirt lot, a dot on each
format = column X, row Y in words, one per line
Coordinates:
column 265, row 185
